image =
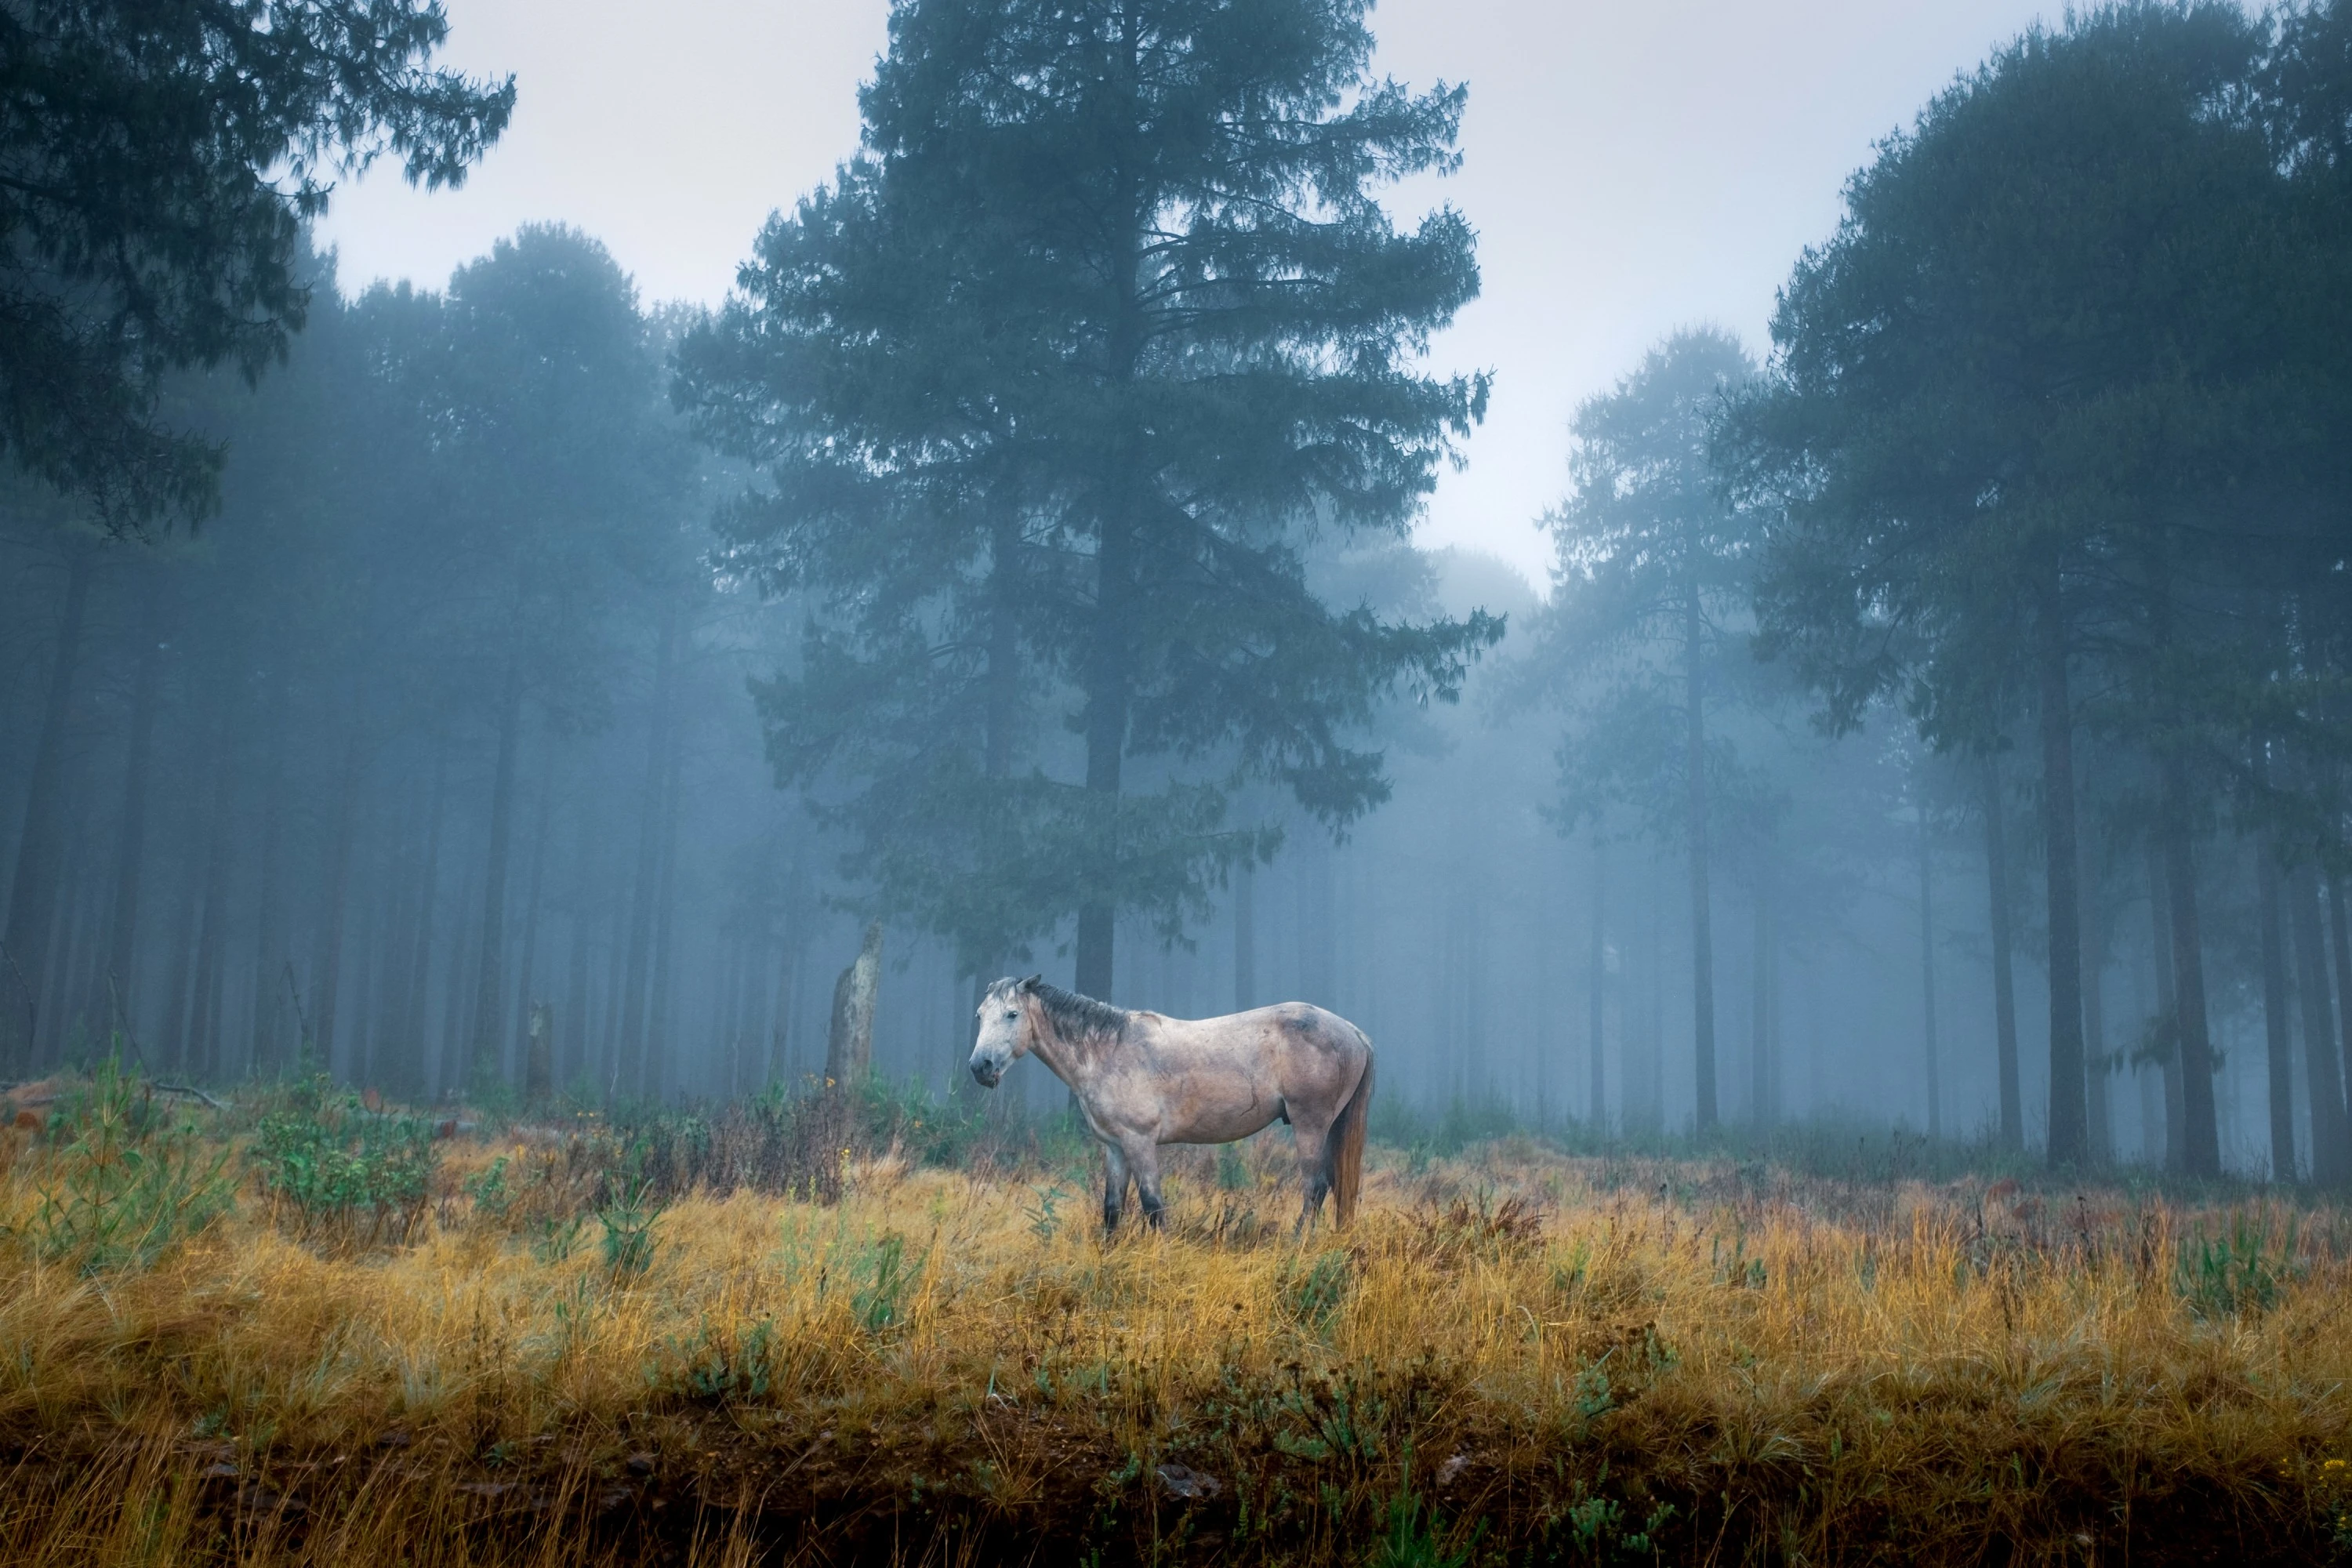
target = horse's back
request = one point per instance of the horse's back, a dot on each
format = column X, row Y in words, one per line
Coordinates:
column 1319, row 1029
column 1228, row 1076
column 1302, row 1046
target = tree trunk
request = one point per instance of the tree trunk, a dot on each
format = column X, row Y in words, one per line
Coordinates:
column 328, row 966
column 59, row 998
column 2340, row 950
column 1759, row 1055
column 849, row 1041
column 1106, row 731
column 1596, row 992
column 731, row 966
column 172, row 1028
column 2167, row 1004
column 1774, row 1035
column 659, row 1046
column 2277, row 1037
column 53, row 982
column 2004, row 985
column 573, row 1058
column 211, row 948
column 539, row 1055
column 40, row 844
column 629, row 1055
column 525, row 972
column 2201, row 1135
column 2062, row 862
column 1000, row 717
column 131, row 845
column 572, row 1064
column 1244, row 938
column 2101, row 1146
column 1653, row 1056
column 353, row 1068
column 1008, row 604
column 1927, row 979
column 2098, row 1090
column 411, row 1074
column 69, row 989
column 794, row 937
column 488, row 1052
column 780, row 1039
column 1317, row 951
column 269, row 962
column 1702, row 924
column 1119, row 517
column 608, row 1048
column 751, row 1050
column 397, row 922
column 79, row 972
column 2331, row 1138
column 446, row 1070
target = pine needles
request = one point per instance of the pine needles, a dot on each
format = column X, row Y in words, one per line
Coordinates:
column 128, row 1182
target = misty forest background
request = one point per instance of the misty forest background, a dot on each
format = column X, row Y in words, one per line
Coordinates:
column 1936, row 718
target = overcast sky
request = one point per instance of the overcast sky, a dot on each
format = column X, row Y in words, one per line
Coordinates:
column 1629, row 168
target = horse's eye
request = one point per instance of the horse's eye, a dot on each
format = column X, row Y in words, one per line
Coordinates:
column 1009, row 1017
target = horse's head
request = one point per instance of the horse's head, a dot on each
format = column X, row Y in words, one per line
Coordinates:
column 1007, row 1030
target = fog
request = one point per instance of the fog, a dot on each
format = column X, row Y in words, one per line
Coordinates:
column 1630, row 168
column 486, row 687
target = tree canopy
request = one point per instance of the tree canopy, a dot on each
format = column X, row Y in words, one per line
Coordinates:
column 158, row 160
column 1104, row 330
column 2024, row 418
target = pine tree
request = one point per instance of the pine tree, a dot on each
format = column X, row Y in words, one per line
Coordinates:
column 157, row 165
column 2003, row 426
column 1652, row 558
column 1060, row 379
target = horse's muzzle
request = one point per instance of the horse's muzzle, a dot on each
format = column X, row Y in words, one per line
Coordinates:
column 986, row 1073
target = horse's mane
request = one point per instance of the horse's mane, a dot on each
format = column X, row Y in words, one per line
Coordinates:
column 1075, row 1016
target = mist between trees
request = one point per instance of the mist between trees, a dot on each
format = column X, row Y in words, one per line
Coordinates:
column 1935, row 721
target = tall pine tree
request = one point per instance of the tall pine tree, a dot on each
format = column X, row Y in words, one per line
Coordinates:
column 1183, row 345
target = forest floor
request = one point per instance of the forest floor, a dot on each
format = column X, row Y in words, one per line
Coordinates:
column 312, row 1331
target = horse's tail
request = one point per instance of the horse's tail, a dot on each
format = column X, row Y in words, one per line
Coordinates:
column 1348, row 1145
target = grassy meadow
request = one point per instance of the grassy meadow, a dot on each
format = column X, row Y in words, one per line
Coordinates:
column 308, row 1329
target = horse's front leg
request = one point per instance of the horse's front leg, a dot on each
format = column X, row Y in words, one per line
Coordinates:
column 1115, row 1179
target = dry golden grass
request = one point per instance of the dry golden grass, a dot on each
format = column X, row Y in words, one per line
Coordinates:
column 1561, row 1359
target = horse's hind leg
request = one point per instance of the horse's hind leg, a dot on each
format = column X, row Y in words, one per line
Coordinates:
column 1313, row 1142
column 1115, row 1178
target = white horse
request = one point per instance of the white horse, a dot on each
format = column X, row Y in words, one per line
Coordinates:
column 1142, row 1080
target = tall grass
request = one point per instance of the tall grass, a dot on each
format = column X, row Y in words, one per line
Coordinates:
column 1516, row 1355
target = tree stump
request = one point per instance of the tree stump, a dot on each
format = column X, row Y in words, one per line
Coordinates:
column 539, row 1055
column 849, row 1044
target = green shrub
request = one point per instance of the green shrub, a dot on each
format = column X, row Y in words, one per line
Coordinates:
column 878, row 1301
column 2240, row 1275
column 555, row 1240
column 343, row 1170
column 1044, row 1216
column 627, row 1215
column 125, row 1182
column 1414, row 1537
column 489, row 1190
column 1312, row 1297
column 720, row 1366
column 902, row 1111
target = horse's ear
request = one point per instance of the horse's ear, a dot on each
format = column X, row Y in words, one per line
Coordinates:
column 1031, row 983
